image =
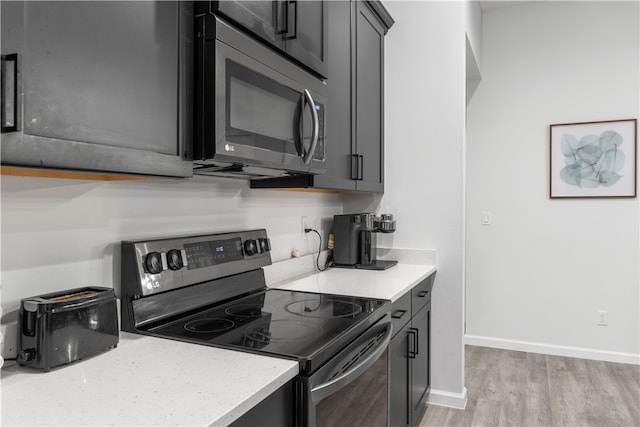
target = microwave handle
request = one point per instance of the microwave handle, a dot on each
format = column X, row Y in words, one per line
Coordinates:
column 316, row 127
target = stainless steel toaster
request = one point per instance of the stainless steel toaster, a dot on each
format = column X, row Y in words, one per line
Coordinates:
column 59, row 328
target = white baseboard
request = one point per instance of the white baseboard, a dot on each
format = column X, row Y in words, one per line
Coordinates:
column 446, row 398
column 554, row 350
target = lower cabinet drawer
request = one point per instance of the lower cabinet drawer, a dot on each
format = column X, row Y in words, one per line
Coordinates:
column 401, row 312
column 421, row 294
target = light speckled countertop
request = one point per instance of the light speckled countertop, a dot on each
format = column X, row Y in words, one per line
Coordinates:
column 144, row 381
column 156, row 381
column 388, row 284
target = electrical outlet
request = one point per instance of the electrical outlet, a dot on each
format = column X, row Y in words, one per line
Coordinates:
column 304, row 223
column 603, row 317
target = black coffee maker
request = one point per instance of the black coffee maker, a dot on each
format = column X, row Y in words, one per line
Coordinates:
column 355, row 240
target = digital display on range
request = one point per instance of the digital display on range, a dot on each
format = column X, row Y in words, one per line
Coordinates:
column 205, row 254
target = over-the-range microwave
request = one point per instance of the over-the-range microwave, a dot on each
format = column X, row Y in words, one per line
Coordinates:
column 258, row 115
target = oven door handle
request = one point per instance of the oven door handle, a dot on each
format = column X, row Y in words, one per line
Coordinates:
column 321, row 391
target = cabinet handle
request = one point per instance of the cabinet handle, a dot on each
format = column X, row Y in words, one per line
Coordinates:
column 282, row 11
column 354, row 166
column 416, row 335
column 294, row 16
column 423, row 294
column 360, row 168
column 410, row 348
column 9, row 82
column 398, row 314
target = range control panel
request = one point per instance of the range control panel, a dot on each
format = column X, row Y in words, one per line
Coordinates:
column 164, row 264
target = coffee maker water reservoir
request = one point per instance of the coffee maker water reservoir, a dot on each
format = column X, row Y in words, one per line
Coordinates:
column 355, row 240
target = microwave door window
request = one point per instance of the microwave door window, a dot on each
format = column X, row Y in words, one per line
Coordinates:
column 261, row 113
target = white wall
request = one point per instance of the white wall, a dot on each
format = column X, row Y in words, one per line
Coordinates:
column 538, row 275
column 473, row 28
column 59, row 234
column 424, row 142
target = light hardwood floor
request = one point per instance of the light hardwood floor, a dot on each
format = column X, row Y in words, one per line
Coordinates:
column 512, row 388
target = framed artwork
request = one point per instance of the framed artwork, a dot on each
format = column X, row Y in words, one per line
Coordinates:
column 593, row 159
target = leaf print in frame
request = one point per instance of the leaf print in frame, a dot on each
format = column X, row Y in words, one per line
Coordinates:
column 593, row 159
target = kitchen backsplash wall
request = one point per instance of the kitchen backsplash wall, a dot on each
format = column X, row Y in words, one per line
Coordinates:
column 59, row 234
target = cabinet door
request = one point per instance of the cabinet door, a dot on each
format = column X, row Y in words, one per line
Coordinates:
column 102, row 86
column 339, row 112
column 265, row 19
column 368, row 87
column 399, row 379
column 307, row 33
column 420, row 365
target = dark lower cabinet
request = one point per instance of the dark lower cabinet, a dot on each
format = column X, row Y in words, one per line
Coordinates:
column 420, row 371
column 400, row 373
column 409, row 356
column 276, row 410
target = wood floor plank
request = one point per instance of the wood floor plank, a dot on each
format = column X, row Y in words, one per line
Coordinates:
column 509, row 388
column 514, row 389
column 538, row 405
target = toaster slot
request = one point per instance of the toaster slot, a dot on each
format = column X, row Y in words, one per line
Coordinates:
column 29, row 319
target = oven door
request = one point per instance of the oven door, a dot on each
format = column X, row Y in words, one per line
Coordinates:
column 352, row 389
column 264, row 110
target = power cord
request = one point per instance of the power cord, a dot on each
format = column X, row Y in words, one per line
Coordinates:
column 329, row 260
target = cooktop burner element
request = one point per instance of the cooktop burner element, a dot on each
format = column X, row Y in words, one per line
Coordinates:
column 209, row 325
column 326, row 308
column 244, row 310
column 281, row 331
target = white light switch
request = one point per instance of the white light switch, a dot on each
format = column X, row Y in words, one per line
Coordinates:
column 486, row 218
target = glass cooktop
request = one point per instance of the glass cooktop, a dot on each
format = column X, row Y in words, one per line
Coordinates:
column 286, row 323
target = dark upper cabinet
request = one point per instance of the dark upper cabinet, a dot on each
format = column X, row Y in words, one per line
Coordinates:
column 100, row 86
column 355, row 101
column 295, row 27
column 265, row 19
column 307, row 37
column 338, row 147
column 368, row 88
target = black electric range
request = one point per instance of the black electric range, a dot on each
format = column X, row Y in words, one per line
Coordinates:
column 211, row 290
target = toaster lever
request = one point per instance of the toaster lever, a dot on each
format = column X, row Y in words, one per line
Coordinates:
column 26, row 356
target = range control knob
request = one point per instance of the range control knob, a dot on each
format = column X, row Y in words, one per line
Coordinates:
column 251, row 247
column 153, row 262
column 265, row 246
column 174, row 259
